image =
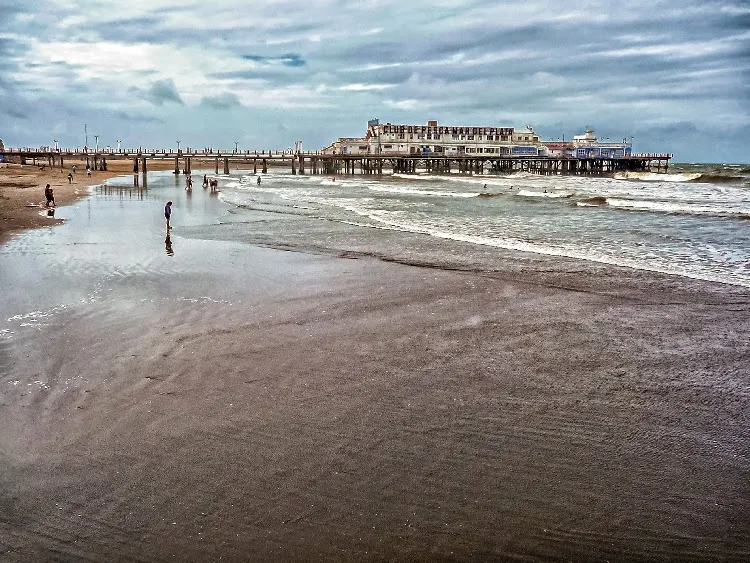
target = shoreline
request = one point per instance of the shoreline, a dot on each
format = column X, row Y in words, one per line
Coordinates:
column 22, row 202
column 22, row 189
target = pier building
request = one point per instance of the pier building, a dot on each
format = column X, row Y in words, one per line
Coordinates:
column 587, row 146
column 439, row 140
column 432, row 138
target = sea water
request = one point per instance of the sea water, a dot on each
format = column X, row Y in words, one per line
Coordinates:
column 693, row 222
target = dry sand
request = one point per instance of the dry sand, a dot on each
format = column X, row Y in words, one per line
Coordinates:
column 248, row 404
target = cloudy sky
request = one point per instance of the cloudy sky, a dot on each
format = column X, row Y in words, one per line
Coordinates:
column 675, row 75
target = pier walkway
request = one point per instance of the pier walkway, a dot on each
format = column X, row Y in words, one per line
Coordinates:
column 315, row 162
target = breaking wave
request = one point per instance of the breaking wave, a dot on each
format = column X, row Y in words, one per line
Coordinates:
column 719, row 179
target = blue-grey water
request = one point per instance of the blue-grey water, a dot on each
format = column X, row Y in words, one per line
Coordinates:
column 692, row 222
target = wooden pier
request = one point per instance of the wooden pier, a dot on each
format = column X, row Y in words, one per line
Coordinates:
column 312, row 162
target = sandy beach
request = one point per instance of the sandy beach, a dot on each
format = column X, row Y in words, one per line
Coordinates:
column 22, row 201
column 234, row 402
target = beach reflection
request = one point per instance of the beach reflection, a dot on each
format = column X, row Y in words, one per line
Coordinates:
column 168, row 246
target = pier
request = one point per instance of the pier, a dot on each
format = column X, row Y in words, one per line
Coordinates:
column 319, row 162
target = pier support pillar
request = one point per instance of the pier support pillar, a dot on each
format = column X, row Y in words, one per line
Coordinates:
column 265, row 166
column 294, row 166
column 301, row 164
column 226, row 165
column 255, row 166
column 177, row 165
column 143, row 165
column 135, row 165
column 216, row 168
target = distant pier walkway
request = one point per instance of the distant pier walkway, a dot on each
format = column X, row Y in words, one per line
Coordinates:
column 313, row 162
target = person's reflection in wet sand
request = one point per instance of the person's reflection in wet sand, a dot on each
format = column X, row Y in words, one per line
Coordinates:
column 168, row 246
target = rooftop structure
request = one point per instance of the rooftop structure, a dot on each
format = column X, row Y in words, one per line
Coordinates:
column 432, row 138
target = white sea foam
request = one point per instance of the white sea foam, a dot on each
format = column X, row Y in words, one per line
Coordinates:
column 679, row 207
column 552, row 195
column 396, row 189
column 654, row 177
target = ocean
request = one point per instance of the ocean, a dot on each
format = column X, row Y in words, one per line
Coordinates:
column 692, row 222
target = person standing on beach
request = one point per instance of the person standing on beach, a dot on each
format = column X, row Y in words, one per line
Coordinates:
column 70, row 177
column 49, row 194
column 168, row 214
column 88, row 171
column 258, row 180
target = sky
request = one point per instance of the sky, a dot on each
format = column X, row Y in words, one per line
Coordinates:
column 673, row 75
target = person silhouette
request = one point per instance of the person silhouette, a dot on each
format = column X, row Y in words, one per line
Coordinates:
column 168, row 215
column 49, row 196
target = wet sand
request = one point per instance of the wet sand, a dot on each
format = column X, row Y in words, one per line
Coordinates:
column 240, row 403
column 22, row 201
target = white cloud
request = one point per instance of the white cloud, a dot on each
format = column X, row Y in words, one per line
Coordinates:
column 402, row 104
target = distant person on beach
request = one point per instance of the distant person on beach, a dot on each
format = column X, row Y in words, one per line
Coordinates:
column 74, row 169
column 189, row 184
column 168, row 215
column 88, row 171
column 205, row 180
column 259, row 180
column 70, row 177
column 49, row 194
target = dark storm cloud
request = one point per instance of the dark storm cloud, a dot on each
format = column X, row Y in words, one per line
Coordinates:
column 221, row 101
column 287, row 59
column 160, row 92
column 132, row 117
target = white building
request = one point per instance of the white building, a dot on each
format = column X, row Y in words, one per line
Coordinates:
column 588, row 146
column 387, row 138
